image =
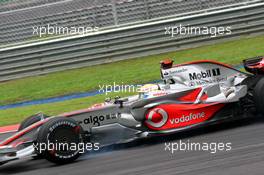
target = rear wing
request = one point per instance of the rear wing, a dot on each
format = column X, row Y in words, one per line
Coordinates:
column 254, row 65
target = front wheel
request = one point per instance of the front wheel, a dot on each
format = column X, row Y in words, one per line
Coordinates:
column 259, row 96
column 31, row 120
column 58, row 140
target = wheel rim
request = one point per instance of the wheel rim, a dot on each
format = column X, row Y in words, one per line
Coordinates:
column 64, row 139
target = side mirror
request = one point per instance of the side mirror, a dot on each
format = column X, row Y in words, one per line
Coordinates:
column 120, row 101
column 166, row 64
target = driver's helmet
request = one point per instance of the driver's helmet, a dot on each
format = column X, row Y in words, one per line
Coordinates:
column 147, row 89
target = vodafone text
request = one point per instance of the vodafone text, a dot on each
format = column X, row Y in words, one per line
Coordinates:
column 187, row 118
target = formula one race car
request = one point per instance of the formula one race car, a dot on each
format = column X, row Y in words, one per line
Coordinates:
column 191, row 95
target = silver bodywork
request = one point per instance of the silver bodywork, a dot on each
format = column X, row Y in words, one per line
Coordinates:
column 112, row 122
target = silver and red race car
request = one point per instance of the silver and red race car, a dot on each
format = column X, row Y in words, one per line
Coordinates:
column 191, row 95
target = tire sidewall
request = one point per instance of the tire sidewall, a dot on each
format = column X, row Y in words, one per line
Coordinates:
column 259, row 96
column 31, row 120
column 48, row 129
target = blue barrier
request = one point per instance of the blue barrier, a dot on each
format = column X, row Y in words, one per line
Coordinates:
column 56, row 99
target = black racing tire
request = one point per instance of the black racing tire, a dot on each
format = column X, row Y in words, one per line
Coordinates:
column 31, row 120
column 2, row 163
column 259, row 96
column 59, row 130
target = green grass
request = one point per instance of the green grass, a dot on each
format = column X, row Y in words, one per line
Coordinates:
column 138, row 70
column 16, row 115
column 133, row 71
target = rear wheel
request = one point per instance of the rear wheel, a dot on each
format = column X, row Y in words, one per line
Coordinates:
column 259, row 96
column 58, row 137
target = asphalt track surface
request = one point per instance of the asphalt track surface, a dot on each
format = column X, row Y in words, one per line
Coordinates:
column 148, row 156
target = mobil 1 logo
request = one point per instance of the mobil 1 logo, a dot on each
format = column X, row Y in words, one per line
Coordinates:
column 205, row 74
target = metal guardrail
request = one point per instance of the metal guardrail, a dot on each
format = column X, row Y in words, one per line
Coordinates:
column 16, row 26
column 124, row 43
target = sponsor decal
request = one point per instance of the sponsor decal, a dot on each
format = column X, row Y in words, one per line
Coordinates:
column 160, row 93
column 172, row 116
column 187, row 118
column 175, row 71
column 204, row 74
column 62, row 123
column 97, row 120
column 157, row 117
column 209, row 81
